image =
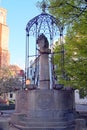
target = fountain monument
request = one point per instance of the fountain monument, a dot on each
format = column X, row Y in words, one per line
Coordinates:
column 43, row 108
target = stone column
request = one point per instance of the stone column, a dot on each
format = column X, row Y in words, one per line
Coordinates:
column 44, row 70
column 44, row 76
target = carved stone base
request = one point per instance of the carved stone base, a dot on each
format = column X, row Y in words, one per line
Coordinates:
column 45, row 110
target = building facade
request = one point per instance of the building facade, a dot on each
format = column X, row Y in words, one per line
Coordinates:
column 4, row 38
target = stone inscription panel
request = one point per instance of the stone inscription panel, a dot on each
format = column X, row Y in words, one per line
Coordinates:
column 44, row 101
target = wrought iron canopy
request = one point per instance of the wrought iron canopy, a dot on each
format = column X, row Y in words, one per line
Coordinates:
column 46, row 24
column 43, row 23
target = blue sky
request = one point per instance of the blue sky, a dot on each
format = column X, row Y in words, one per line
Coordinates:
column 19, row 12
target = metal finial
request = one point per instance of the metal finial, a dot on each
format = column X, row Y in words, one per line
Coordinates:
column 43, row 6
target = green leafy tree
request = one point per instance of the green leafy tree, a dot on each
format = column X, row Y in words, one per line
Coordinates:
column 67, row 11
column 73, row 16
column 8, row 82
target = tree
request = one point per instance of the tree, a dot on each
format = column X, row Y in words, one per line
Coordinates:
column 8, row 82
column 67, row 12
column 72, row 15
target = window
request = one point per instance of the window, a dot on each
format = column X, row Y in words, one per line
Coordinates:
column 11, row 95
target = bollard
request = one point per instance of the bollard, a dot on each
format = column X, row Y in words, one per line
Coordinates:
column 4, row 125
column 80, row 124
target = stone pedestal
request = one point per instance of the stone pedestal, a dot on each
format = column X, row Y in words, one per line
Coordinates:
column 44, row 110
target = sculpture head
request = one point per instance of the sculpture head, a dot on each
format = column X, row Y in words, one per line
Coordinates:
column 42, row 41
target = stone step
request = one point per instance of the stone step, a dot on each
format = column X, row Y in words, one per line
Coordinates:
column 44, row 128
column 27, row 119
column 46, row 124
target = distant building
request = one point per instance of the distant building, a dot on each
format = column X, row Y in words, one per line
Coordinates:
column 79, row 100
column 14, row 69
column 16, row 73
column 34, row 71
column 4, row 38
column 4, row 51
